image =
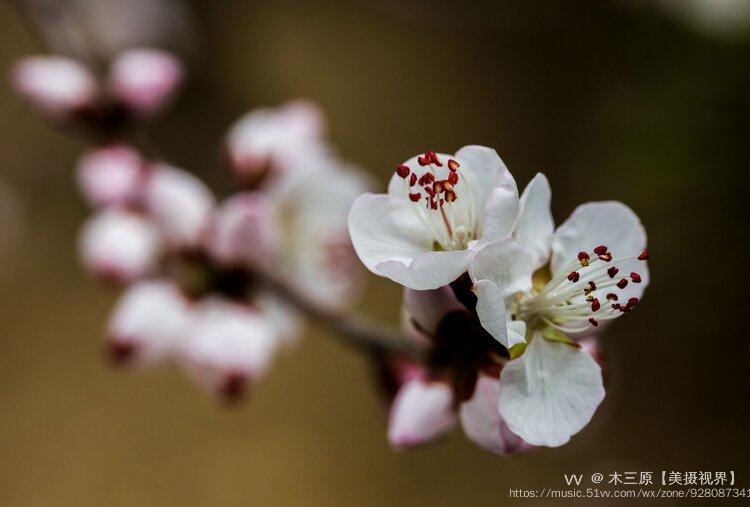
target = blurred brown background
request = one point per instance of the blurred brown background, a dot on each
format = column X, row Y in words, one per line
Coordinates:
column 611, row 100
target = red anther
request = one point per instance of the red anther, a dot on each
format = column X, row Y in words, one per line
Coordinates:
column 595, row 305
column 450, row 196
column 433, row 158
column 583, row 256
column 644, row 255
column 415, row 197
column 593, row 322
column 574, row 276
column 426, row 179
column 433, row 204
column 612, row 296
column 612, row 271
column 622, row 283
column 403, row 170
column 601, row 249
column 448, row 186
column 632, row 302
column 442, row 201
column 606, row 257
column 412, row 179
column 453, row 165
column 616, row 306
column 635, row 277
column 453, row 177
column 429, row 191
column 423, row 161
column 592, row 285
column 438, row 187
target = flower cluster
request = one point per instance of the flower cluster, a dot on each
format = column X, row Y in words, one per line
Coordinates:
column 500, row 308
column 188, row 262
column 504, row 305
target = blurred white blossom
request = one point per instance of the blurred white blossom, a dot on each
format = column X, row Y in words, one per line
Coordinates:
column 148, row 324
column 120, row 245
column 180, row 203
column 112, row 175
column 57, row 85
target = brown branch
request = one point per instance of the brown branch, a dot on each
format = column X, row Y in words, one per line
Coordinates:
column 354, row 329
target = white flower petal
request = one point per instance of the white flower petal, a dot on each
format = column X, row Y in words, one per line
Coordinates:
column 502, row 212
column 505, row 264
column 550, row 393
column 180, row 203
column 428, row 270
column 392, row 243
column 494, row 317
column 482, row 422
column 148, row 322
column 120, row 245
column 516, row 332
column 487, row 172
column 491, row 310
column 421, row 412
column 535, row 225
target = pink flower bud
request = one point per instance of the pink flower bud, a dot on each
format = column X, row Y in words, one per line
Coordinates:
column 428, row 307
column 230, row 346
column 421, row 412
column 149, row 320
column 482, row 423
column 58, row 86
column 145, row 80
column 242, row 230
column 180, row 203
column 110, row 176
column 120, row 246
column 273, row 138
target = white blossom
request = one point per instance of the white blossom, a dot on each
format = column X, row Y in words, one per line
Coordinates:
column 438, row 211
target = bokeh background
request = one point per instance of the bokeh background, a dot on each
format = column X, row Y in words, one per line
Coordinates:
column 637, row 101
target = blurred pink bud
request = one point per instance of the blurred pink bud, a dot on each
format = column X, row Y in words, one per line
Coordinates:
column 149, row 320
column 421, row 412
column 111, row 175
column 145, row 80
column 272, row 138
column 482, row 423
column 230, row 346
column 428, row 307
column 180, row 203
column 59, row 86
column 119, row 245
column 242, row 230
